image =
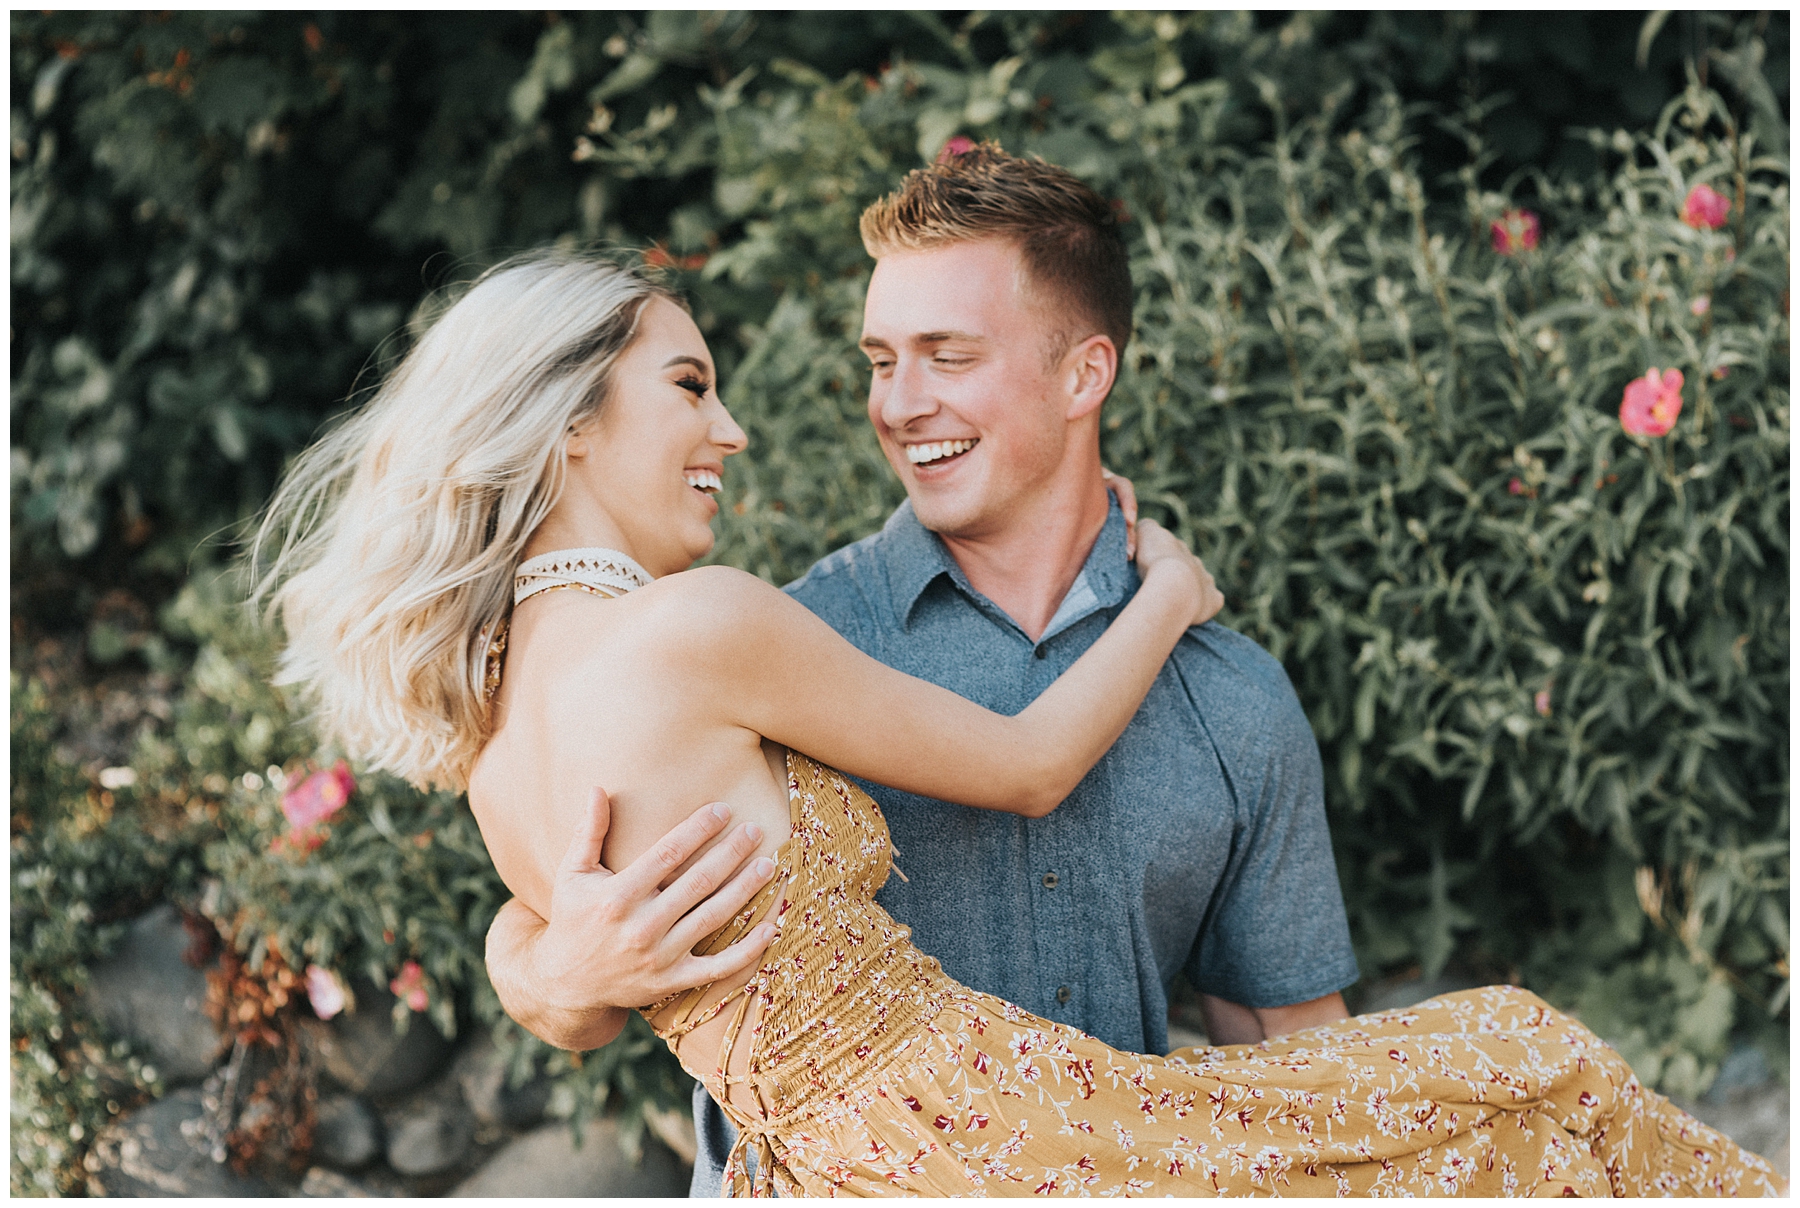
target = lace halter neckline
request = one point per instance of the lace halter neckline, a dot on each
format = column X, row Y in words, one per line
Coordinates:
column 595, row 569
column 603, row 571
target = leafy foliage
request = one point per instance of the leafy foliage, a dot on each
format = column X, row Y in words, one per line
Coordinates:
column 1545, row 660
column 82, row 864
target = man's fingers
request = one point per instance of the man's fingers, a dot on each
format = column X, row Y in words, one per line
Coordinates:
column 1127, row 497
column 583, row 852
column 703, row 970
column 716, row 911
column 640, row 878
column 708, row 874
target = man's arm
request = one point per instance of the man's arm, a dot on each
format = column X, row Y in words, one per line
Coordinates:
column 617, row 941
column 1233, row 1023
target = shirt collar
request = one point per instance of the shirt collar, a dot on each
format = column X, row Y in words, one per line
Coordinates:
column 916, row 556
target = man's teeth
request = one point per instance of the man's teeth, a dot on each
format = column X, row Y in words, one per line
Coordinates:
column 921, row 455
column 704, row 480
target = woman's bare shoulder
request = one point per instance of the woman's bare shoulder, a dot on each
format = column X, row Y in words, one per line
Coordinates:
column 696, row 616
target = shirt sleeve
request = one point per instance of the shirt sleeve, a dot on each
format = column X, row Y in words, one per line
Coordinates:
column 1275, row 932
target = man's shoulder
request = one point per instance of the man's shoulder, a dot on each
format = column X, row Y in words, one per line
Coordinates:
column 1239, row 687
column 847, row 587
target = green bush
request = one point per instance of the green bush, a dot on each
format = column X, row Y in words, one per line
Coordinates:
column 82, row 864
column 1545, row 660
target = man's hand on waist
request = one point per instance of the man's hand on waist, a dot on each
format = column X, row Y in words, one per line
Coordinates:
column 617, row 941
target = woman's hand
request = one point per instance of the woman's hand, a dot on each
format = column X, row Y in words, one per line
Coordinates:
column 1157, row 546
column 1127, row 496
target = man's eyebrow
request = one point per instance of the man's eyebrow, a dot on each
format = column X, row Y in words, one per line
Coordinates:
column 696, row 362
column 940, row 337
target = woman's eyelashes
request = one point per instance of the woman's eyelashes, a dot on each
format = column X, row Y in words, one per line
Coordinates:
column 695, row 386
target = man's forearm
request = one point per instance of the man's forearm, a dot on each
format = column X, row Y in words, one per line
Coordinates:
column 511, row 945
column 1233, row 1023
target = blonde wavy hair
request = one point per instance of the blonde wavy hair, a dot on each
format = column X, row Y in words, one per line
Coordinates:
column 387, row 554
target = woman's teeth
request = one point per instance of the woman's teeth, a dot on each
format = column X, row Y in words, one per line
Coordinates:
column 704, row 480
column 924, row 455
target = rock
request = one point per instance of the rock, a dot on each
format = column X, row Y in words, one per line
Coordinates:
column 1749, row 1105
column 347, row 1134
column 1755, row 1118
column 429, row 1138
column 674, row 1129
column 322, row 1184
column 148, row 992
column 545, row 1162
column 480, row 1071
column 364, row 1055
column 147, row 1153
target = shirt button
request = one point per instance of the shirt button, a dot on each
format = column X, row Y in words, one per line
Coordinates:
column 1062, row 994
column 1050, row 880
column 1038, row 652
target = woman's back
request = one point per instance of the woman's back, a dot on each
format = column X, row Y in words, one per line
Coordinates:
column 589, row 695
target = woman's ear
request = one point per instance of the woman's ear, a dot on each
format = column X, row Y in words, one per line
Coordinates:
column 576, row 447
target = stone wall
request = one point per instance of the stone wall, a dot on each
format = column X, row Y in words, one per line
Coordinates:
column 408, row 1114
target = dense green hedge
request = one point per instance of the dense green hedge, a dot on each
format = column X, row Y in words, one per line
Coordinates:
column 1546, row 660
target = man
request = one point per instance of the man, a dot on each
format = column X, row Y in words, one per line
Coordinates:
column 994, row 321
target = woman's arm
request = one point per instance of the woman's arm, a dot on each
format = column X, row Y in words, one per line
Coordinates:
column 782, row 672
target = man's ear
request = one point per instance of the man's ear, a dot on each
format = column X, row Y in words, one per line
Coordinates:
column 1092, row 366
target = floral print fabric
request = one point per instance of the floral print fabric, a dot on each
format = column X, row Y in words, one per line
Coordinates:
column 879, row 1075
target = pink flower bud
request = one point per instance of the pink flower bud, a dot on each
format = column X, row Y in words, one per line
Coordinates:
column 409, row 987
column 1542, row 702
column 1651, row 403
column 1701, row 304
column 960, row 145
column 325, row 992
column 319, row 796
column 1515, row 487
column 1705, row 208
column 1515, row 231
column 1721, row 373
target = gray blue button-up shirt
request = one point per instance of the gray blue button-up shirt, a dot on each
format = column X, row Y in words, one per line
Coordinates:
column 1197, row 845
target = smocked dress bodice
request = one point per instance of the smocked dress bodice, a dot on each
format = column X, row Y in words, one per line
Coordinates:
column 841, row 989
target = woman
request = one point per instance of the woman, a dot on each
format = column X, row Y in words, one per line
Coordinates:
column 560, row 428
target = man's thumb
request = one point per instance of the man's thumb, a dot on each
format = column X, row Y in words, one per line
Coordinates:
column 583, row 854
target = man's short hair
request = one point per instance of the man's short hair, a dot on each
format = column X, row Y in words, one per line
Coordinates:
column 1067, row 234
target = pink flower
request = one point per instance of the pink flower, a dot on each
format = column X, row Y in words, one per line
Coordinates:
column 1516, row 487
column 319, row 796
column 299, row 842
column 1542, row 702
column 1515, row 231
column 1721, row 373
column 409, row 987
column 1705, row 209
column 1651, row 403
column 1701, row 304
column 324, row 991
column 960, row 145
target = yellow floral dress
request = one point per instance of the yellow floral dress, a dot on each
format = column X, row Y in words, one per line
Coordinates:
column 879, row 1075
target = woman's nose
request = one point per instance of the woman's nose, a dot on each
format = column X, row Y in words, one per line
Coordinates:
column 726, row 434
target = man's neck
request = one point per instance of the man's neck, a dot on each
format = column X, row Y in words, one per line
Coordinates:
column 1029, row 567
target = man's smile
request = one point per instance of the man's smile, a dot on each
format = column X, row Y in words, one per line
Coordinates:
column 932, row 453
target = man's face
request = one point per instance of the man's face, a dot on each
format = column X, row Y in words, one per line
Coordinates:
column 971, row 417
